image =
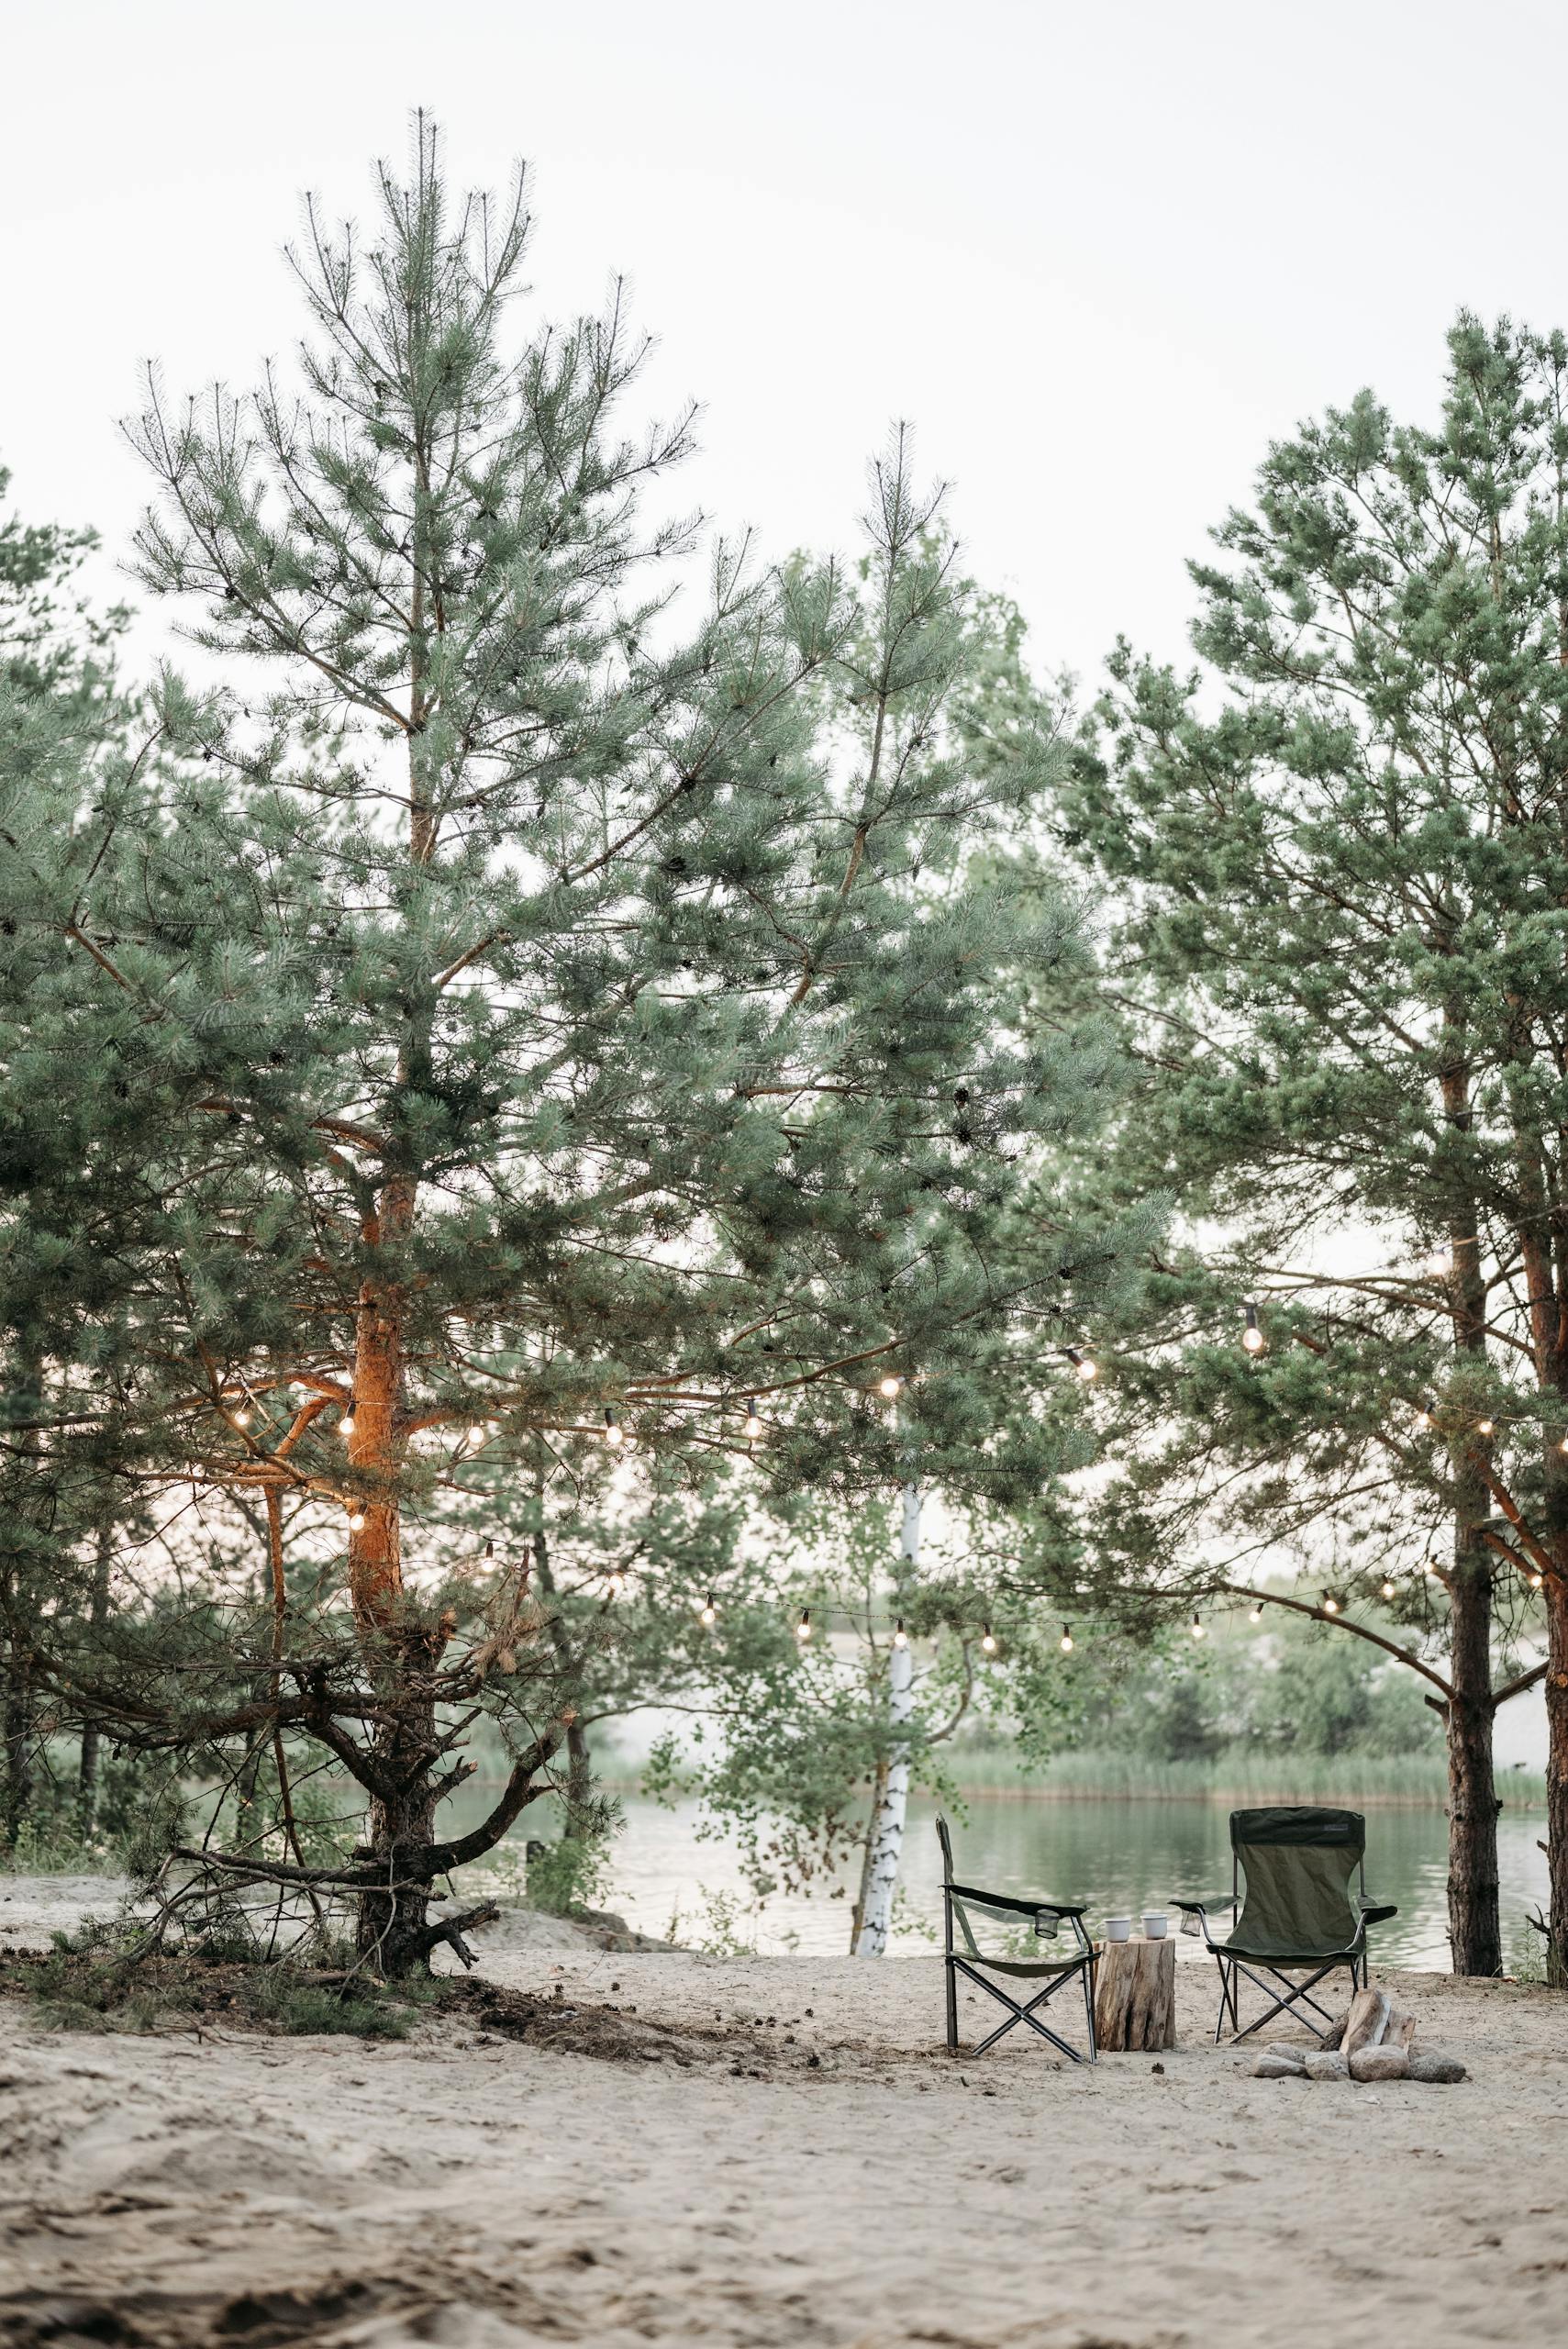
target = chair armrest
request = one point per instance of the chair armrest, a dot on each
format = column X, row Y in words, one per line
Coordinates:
column 1019, row 1908
column 1375, row 1912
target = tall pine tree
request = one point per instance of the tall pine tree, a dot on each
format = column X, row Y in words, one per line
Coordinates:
column 569, row 1024
column 1346, row 899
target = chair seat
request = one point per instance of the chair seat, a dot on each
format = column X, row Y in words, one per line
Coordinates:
column 1028, row 1968
column 1283, row 1956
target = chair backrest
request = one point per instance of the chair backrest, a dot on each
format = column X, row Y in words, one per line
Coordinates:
column 1297, row 1863
column 947, row 1848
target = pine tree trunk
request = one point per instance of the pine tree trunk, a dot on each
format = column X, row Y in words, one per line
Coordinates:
column 1556, row 1596
column 87, row 1778
column 1474, row 1923
column 399, row 1649
column 579, row 1776
column 18, row 1745
column 1476, row 1936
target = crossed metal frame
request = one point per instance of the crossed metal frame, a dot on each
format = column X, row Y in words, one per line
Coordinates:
column 1084, row 1967
column 1296, row 1994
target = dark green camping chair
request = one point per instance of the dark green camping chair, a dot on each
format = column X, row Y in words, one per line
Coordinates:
column 1290, row 1882
column 1046, row 1919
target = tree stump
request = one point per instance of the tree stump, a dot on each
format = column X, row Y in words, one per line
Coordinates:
column 1135, row 1997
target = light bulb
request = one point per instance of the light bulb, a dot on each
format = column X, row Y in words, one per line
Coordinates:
column 241, row 1419
column 1254, row 1615
column 1388, row 1591
column 1438, row 1265
column 802, row 1629
column 900, row 1636
column 1424, row 1420
column 889, row 1387
column 617, row 1581
column 1195, row 1628
column 476, row 1436
column 988, row 1642
column 1084, row 1364
column 1252, row 1336
column 346, row 1425
column 1536, row 1581
column 1483, row 1427
column 1331, row 1604
column 357, row 1520
column 1065, row 1642
column 709, row 1612
column 613, row 1431
column 1563, row 1445
column 753, row 1427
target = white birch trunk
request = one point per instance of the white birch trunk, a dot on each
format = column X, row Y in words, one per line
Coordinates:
column 887, row 1828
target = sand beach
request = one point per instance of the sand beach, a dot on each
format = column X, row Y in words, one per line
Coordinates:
column 778, row 2151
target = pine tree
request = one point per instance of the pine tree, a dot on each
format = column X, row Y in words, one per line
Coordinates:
column 569, row 1025
column 62, row 732
column 1345, row 894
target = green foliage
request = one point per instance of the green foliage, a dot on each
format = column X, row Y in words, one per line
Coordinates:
column 571, row 1874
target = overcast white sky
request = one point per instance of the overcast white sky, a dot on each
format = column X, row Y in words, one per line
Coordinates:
column 1100, row 254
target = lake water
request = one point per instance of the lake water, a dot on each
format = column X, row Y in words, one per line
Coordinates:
column 1118, row 1854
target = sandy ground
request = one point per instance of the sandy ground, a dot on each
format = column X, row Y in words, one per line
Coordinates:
column 477, row 2191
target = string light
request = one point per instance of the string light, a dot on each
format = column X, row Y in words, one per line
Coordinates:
column 490, row 1548
column 356, row 1520
column 476, row 1436
column 1254, row 1615
column 1252, row 1336
column 707, row 1612
column 889, row 1387
column 241, row 1418
column 753, row 1427
column 346, row 1426
column 802, row 1629
column 1331, row 1604
column 988, row 1642
column 1563, row 1445
column 1483, row 1427
column 1388, row 1591
column 1438, row 1265
column 900, row 1636
column 1536, row 1580
column 1084, row 1364
column 1065, row 1642
column 616, row 1582
column 1423, row 1419
column 614, row 1431
column 1195, row 1628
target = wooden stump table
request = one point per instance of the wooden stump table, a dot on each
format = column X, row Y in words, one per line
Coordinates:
column 1135, row 1995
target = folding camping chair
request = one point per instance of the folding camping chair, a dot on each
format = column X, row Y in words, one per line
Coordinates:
column 1046, row 1917
column 1296, row 1910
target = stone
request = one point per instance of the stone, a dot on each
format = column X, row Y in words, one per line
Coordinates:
column 1326, row 2064
column 1280, row 2063
column 1431, row 2065
column 1380, row 2063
